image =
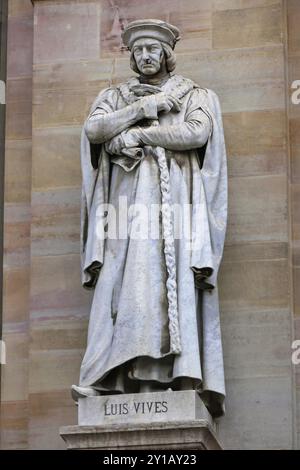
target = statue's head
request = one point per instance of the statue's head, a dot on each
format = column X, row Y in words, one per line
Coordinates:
column 151, row 43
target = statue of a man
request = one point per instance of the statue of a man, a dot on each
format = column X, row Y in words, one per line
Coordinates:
column 154, row 141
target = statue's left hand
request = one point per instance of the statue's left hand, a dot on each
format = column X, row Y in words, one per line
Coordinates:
column 201, row 276
column 127, row 139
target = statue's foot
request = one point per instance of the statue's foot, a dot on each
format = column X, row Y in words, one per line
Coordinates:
column 83, row 392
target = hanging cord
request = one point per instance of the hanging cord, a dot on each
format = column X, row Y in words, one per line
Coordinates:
column 169, row 250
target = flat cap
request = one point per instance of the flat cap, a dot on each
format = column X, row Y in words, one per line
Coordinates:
column 155, row 29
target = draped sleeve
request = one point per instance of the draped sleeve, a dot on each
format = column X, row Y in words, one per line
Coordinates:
column 212, row 210
column 95, row 168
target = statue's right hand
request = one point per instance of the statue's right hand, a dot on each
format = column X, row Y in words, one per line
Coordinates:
column 166, row 102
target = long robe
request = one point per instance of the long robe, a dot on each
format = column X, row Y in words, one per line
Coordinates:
column 128, row 336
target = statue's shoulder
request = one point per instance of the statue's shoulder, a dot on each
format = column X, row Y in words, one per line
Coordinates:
column 110, row 95
column 212, row 101
column 211, row 94
column 187, row 86
column 106, row 93
column 106, row 97
column 208, row 97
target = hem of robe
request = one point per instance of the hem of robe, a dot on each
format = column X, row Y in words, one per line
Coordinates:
column 126, row 378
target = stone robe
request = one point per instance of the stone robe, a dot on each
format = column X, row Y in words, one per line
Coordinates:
column 128, row 336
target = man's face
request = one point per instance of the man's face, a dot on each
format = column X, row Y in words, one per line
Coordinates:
column 148, row 54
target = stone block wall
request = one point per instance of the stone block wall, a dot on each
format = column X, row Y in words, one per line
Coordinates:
column 240, row 49
column 17, row 209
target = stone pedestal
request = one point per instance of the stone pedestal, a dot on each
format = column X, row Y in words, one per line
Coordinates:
column 162, row 420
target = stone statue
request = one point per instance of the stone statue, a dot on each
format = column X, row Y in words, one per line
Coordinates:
column 155, row 141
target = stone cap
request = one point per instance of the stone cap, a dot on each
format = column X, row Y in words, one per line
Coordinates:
column 150, row 28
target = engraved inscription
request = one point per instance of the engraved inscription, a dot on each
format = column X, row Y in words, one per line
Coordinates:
column 136, row 407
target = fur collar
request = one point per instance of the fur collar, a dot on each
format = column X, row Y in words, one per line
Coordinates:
column 177, row 86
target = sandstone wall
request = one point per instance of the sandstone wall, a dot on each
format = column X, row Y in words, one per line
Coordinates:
column 239, row 48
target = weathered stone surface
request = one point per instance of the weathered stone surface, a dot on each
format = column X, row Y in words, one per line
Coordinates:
column 17, row 235
column 195, row 435
column 297, row 370
column 293, row 50
column 249, row 278
column 14, row 425
column 260, row 145
column 295, row 148
column 239, row 4
column 263, row 395
column 19, row 109
column 59, row 333
column 15, row 372
column 254, row 284
column 56, row 292
column 257, row 343
column 194, row 18
column 55, row 408
column 56, row 148
column 55, row 221
column 66, row 33
column 259, row 132
column 252, row 27
column 85, row 74
column 16, row 288
column 18, row 171
column 20, row 7
column 19, row 60
column 266, row 217
column 14, row 381
column 293, row 27
column 257, row 361
column 296, row 299
column 53, row 370
column 255, row 251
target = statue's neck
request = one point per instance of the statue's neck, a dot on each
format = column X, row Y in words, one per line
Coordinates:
column 158, row 79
